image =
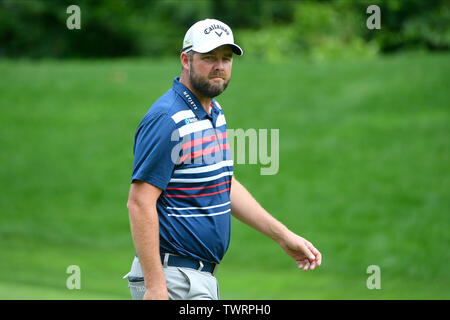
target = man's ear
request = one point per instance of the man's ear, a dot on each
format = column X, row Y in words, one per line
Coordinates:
column 184, row 57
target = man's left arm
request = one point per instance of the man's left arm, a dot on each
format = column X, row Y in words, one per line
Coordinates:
column 246, row 209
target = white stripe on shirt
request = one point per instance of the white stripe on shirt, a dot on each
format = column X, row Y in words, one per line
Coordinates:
column 223, row 174
column 181, row 115
column 198, row 215
column 201, row 169
column 220, row 121
column 200, row 208
column 194, row 127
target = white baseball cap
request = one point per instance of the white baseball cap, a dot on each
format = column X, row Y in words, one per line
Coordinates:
column 206, row 35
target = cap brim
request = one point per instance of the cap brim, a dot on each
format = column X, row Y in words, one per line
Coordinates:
column 236, row 49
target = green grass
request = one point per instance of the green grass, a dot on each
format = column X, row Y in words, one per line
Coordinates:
column 364, row 175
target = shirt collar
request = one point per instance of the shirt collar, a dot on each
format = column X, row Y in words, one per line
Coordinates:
column 190, row 99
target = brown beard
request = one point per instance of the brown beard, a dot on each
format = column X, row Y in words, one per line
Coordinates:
column 201, row 85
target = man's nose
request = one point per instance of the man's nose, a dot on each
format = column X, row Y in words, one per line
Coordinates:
column 219, row 65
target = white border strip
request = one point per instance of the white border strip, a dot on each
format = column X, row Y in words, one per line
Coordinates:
column 194, row 127
column 181, row 115
column 202, row 208
column 221, row 164
column 198, row 215
column 220, row 121
column 223, row 174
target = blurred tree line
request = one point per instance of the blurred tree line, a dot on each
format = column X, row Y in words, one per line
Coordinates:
column 267, row 29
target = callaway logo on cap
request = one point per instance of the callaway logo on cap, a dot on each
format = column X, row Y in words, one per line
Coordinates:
column 208, row 34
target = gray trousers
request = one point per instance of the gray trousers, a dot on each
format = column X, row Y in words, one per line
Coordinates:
column 182, row 283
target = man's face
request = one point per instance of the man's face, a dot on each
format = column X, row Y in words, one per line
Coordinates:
column 210, row 72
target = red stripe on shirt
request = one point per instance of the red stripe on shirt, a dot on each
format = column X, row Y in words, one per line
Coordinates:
column 198, row 188
column 198, row 141
column 205, row 151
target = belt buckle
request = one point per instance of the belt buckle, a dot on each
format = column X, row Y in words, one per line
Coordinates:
column 166, row 260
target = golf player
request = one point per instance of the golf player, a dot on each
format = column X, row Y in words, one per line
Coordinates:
column 183, row 191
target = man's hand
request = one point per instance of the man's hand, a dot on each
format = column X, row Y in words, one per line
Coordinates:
column 302, row 251
column 156, row 294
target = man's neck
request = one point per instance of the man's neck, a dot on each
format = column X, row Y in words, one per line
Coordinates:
column 205, row 101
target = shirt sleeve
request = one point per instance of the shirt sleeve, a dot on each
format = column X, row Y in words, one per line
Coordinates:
column 154, row 143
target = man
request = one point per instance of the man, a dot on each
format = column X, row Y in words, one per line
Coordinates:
column 183, row 189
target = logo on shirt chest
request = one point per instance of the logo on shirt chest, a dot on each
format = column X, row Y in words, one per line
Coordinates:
column 190, row 120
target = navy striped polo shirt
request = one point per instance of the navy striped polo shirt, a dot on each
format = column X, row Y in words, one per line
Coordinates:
column 183, row 150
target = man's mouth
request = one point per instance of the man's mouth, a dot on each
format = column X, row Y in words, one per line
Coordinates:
column 215, row 77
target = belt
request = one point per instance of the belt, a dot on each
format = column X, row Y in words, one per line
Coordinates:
column 172, row 260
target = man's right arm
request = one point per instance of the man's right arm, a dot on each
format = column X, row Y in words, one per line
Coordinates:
column 145, row 231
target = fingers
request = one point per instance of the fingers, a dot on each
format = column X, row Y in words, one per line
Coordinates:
column 317, row 254
column 312, row 259
column 305, row 264
column 306, row 248
column 319, row 258
column 305, row 254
